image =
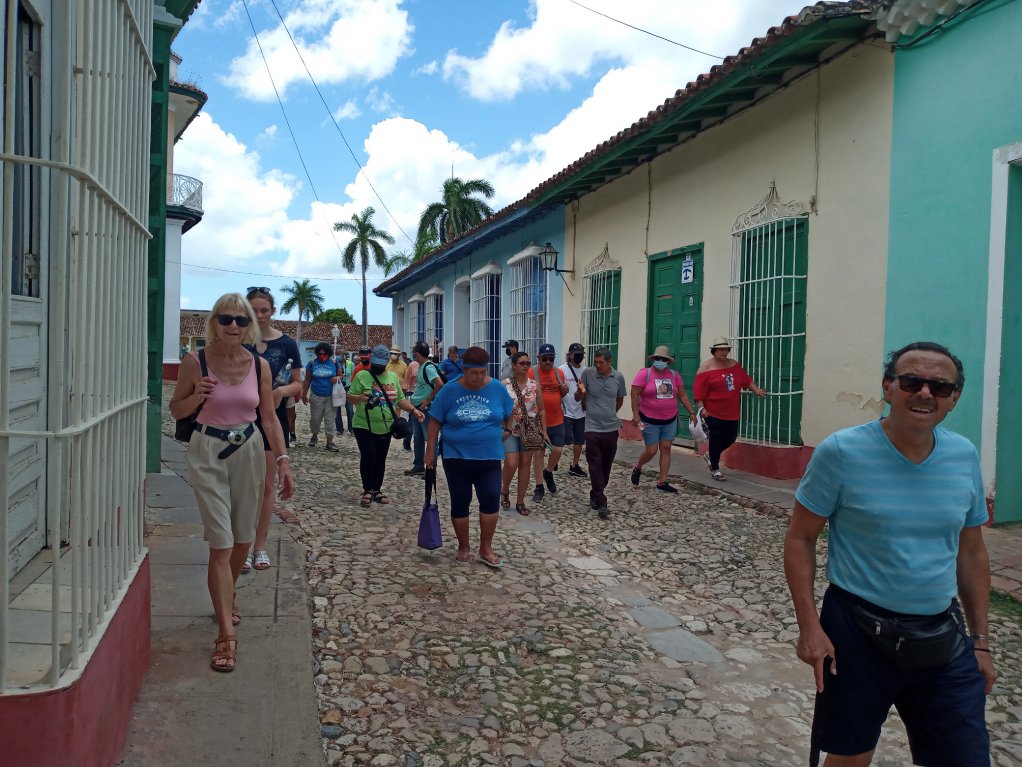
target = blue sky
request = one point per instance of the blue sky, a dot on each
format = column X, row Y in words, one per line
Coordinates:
column 509, row 91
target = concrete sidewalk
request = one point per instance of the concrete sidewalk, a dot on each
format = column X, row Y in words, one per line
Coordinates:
column 1004, row 544
column 262, row 714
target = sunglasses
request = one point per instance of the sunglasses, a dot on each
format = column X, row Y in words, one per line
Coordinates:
column 238, row 319
column 259, row 290
column 525, row 364
column 661, row 359
column 546, row 359
column 914, row 384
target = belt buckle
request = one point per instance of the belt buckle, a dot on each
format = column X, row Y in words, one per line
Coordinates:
column 235, row 437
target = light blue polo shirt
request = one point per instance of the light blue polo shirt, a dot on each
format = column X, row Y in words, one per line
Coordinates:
column 894, row 525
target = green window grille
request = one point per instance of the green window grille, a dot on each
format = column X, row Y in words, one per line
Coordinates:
column 601, row 305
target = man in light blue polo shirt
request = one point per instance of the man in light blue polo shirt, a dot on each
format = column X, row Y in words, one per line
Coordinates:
column 905, row 503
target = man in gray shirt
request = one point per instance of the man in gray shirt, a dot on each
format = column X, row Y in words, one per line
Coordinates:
column 603, row 390
column 510, row 349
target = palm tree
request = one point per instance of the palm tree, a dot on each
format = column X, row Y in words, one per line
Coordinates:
column 306, row 298
column 365, row 242
column 458, row 210
column 425, row 243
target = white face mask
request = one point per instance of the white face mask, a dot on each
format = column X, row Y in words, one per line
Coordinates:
column 660, row 364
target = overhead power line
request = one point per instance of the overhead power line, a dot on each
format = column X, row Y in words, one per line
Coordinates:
column 287, row 122
column 646, row 31
column 352, row 277
column 333, row 119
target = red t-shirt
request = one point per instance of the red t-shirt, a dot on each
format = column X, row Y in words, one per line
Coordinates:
column 550, row 384
column 720, row 391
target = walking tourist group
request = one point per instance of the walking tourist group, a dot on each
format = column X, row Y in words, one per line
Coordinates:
column 903, row 621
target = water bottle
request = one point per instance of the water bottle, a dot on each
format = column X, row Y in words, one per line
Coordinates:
column 283, row 375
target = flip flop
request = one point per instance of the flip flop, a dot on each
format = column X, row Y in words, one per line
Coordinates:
column 505, row 500
column 462, row 561
column 498, row 565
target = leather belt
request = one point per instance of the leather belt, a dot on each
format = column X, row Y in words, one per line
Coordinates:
column 236, row 437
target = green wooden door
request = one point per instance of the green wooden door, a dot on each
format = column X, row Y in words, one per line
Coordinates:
column 676, row 311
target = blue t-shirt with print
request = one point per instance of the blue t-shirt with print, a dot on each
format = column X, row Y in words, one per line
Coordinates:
column 471, row 421
column 320, row 372
column 894, row 524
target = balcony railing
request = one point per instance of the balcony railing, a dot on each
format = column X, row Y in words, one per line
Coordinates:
column 185, row 192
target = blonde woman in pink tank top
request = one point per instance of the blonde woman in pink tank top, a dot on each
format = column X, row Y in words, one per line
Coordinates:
column 226, row 466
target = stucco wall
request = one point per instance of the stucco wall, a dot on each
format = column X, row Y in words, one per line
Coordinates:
column 695, row 192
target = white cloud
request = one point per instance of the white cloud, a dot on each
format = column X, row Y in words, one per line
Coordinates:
column 348, row 111
column 268, row 133
column 340, row 40
column 565, row 42
column 380, row 101
column 428, row 69
column 186, row 302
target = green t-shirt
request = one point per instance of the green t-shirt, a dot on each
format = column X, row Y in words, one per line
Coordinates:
column 379, row 419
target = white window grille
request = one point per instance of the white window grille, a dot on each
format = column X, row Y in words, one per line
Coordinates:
column 769, row 265
column 486, row 287
column 435, row 318
column 416, row 319
column 601, row 305
column 528, row 301
column 80, row 425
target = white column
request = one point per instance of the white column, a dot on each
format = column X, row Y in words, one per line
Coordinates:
column 172, row 294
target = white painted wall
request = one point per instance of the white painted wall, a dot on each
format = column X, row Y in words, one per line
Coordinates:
column 172, row 293
column 695, row 192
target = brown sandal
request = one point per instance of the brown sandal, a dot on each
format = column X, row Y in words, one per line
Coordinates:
column 505, row 500
column 367, row 499
column 520, row 508
column 226, row 649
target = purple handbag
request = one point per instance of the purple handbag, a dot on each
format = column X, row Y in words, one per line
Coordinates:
column 429, row 523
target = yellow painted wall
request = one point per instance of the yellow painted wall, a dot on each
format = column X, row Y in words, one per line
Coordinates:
column 695, row 192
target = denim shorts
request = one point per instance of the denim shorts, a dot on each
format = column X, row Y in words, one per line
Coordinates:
column 654, row 433
column 556, row 435
column 574, row 431
column 942, row 708
column 512, row 444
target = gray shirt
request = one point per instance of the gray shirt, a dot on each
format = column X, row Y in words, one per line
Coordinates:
column 506, row 371
column 601, row 399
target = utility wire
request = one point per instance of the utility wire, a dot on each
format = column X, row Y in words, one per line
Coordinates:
column 287, row 122
column 280, row 276
column 336, row 125
column 646, row 31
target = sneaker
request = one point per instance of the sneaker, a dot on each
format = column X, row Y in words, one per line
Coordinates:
column 577, row 471
column 332, row 447
column 719, row 476
column 666, row 487
column 636, row 475
column 548, row 477
column 603, row 512
column 313, row 440
column 293, row 437
column 415, row 471
column 537, row 494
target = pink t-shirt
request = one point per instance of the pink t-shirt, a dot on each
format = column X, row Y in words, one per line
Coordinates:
column 659, row 396
column 231, row 405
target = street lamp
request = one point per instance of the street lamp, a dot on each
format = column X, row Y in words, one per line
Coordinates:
column 549, row 256
column 335, row 333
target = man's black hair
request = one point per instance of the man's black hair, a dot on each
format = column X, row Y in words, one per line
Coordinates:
column 604, row 352
column 891, row 368
column 420, row 347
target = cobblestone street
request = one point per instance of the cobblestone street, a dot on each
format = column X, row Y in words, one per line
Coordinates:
column 663, row 635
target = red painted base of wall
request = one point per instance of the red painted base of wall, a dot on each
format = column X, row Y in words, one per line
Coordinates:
column 170, row 370
column 85, row 724
column 775, row 462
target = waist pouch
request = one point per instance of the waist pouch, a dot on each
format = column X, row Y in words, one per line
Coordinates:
column 910, row 643
column 234, row 437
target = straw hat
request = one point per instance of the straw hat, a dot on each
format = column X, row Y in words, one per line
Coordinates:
column 661, row 351
column 720, row 343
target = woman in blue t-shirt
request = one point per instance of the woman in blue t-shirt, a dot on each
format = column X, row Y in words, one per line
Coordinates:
column 474, row 414
column 320, row 375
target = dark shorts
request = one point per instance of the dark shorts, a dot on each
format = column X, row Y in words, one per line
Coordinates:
column 942, row 708
column 574, row 431
column 464, row 474
column 556, row 434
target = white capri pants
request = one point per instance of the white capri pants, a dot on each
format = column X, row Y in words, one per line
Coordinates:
column 229, row 491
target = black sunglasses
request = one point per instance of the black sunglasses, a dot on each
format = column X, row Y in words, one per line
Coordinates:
column 914, row 384
column 546, row 359
column 661, row 359
column 259, row 290
column 238, row 319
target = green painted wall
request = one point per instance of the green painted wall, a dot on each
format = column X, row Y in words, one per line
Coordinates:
column 1009, row 414
column 155, row 282
column 956, row 99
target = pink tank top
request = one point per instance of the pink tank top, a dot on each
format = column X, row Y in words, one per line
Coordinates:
column 231, row 405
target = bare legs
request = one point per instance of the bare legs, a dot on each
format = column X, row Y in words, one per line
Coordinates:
column 266, row 508
column 664, row 447
column 222, row 575
column 520, row 463
column 487, row 527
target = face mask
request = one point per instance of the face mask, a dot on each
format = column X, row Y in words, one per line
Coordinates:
column 508, row 351
column 660, row 364
column 377, row 369
column 577, row 358
column 364, row 360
